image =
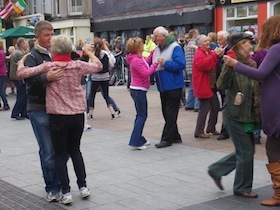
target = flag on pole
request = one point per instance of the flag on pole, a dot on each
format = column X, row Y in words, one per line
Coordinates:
column 6, row 10
column 20, row 6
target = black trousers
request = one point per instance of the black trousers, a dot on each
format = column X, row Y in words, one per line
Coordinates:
column 66, row 133
column 170, row 103
column 272, row 149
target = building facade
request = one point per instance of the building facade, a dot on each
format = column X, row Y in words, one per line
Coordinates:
column 69, row 17
column 129, row 18
column 241, row 15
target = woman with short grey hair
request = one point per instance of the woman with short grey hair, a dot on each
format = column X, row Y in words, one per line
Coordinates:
column 66, row 104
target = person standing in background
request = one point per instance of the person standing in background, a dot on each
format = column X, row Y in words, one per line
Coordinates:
column 9, row 83
column 19, row 111
column 149, row 46
column 3, row 78
column 222, row 40
column 189, row 49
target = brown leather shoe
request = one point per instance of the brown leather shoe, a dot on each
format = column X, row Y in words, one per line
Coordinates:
column 247, row 195
column 216, row 133
column 274, row 201
column 202, row 135
column 217, row 181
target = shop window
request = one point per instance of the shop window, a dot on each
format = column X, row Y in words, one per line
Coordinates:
column 277, row 9
column 241, row 11
column 241, row 18
column 253, row 10
column 230, row 12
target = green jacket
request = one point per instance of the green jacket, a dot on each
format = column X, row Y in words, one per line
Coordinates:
column 233, row 82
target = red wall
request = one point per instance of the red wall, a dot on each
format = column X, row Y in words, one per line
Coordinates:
column 262, row 15
column 218, row 19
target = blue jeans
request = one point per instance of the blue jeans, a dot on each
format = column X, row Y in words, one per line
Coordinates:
column 2, row 90
column 41, row 126
column 21, row 101
column 192, row 101
column 141, row 106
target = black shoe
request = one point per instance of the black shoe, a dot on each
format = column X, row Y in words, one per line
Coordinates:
column 177, row 141
column 188, row 108
column 163, row 144
column 6, row 108
column 19, row 118
column 196, row 110
column 222, row 137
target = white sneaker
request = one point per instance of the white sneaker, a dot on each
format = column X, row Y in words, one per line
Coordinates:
column 117, row 113
column 142, row 147
column 85, row 192
column 53, row 197
column 147, row 143
column 66, row 198
column 87, row 128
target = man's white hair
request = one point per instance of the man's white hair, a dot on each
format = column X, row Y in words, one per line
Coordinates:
column 161, row 30
column 224, row 34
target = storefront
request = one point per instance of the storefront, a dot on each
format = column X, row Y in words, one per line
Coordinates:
column 241, row 15
column 140, row 17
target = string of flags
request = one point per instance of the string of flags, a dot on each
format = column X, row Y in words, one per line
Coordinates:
column 9, row 7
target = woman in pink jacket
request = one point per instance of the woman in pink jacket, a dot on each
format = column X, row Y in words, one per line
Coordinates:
column 3, row 78
column 140, row 83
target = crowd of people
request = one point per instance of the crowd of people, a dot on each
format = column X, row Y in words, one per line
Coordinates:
column 226, row 71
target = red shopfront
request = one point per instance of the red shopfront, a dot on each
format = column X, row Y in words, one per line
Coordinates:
column 241, row 15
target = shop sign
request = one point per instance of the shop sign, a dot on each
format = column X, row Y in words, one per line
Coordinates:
column 220, row 3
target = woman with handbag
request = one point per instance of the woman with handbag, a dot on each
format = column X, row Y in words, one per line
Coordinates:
column 242, row 117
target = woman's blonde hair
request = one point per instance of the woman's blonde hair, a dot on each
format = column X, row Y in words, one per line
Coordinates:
column 134, row 44
column 61, row 44
column 238, row 44
column 213, row 37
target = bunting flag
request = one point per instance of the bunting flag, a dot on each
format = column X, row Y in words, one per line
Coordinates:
column 20, row 6
column 6, row 10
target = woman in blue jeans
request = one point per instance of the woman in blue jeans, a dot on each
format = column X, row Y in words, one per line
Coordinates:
column 140, row 83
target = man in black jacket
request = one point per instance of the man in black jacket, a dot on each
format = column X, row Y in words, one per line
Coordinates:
column 36, row 106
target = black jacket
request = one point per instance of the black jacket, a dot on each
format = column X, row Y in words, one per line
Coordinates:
column 36, row 86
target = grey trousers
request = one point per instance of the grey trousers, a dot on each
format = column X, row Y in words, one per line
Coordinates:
column 206, row 105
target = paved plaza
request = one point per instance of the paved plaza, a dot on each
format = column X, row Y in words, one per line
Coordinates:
column 121, row 178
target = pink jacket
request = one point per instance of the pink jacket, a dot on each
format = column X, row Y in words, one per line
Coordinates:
column 140, row 71
column 3, row 70
column 65, row 96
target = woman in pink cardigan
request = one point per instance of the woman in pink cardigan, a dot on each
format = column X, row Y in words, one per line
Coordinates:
column 140, row 83
column 66, row 104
